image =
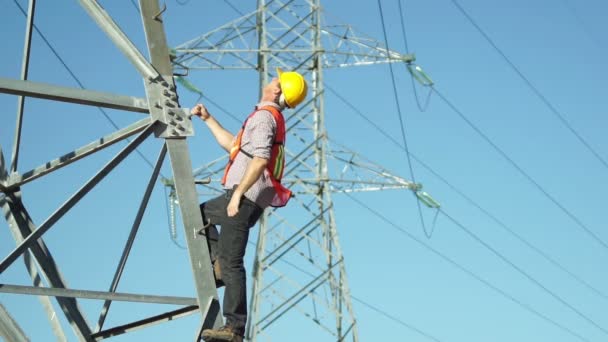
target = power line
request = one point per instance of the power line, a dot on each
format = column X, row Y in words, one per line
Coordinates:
column 581, row 23
column 470, row 200
column 421, row 107
column 135, row 5
column 524, row 273
column 500, row 223
column 555, row 263
column 401, row 120
column 534, row 89
column 467, row 271
column 524, row 173
column 361, row 301
column 394, row 319
column 69, row 70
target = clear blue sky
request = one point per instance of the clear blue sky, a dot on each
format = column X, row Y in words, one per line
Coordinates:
column 558, row 46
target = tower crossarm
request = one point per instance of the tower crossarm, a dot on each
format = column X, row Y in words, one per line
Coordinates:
column 234, row 45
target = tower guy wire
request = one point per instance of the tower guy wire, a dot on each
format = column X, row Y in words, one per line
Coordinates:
column 532, row 87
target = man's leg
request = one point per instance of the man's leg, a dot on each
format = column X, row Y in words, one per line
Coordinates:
column 214, row 214
column 231, row 251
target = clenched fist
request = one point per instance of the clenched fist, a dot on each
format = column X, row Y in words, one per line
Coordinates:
column 201, row 111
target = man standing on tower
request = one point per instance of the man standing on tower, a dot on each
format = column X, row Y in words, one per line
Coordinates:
column 252, row 181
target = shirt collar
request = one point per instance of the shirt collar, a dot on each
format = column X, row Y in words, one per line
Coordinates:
column 268, row 103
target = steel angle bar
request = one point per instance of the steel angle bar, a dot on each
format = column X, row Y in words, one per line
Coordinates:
column 25, row 64
column 95, row 146
column 31, row 267
column 347, row 331
column 181, row 166
column 44, row 227
column 30, row 264
column 98, row 295
column 312, row 55
column 9, row 329
column 317, row 320
column 358, row 41
column 196, row 41
column 21, row 225
column 290, row 299
column 144, row 323
column 293, row 236
column 296, row 158
column 120, row 39
column 292, row 28
column 314, row 296
column 73, row 95
column 134, row 229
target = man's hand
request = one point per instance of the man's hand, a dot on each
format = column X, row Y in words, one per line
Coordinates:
column 201, row 111
column 233, row 205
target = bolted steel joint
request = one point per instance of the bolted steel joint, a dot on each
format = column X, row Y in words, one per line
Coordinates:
column 165, row 109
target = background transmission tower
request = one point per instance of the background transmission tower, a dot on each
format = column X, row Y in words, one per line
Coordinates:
column 299, row 270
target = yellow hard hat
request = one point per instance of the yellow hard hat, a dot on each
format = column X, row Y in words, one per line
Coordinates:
column 293, row 87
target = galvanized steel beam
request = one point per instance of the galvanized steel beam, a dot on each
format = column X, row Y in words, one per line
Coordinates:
column 99, row 295
column 17, row 180
column 134, row 229
column 44, row 227
column 24, row 71
column 73, row 95
column 144, row 323
column 182, row 169
column 9, row 329
column 120, row 39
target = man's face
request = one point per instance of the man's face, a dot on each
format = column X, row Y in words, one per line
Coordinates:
column 273, row 89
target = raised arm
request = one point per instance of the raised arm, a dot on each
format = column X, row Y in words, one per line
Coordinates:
column 223, row 137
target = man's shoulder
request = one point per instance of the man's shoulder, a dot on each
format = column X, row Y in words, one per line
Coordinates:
column 263, row 115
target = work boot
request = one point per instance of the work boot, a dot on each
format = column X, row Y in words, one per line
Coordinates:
column 217, row 272
column 225, row 333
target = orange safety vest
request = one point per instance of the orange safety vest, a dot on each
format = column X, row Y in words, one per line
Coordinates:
column 276, row 164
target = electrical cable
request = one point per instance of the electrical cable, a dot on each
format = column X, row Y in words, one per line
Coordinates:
column 69, row 70
column 135, row 5
column 467, row 271
column 469, row 199
column 534, row 89
column 361, row 301
column 576, row 219
column 234, row 7
column 582, row 23
column 521, row 171
column 524, row 273
column 421, row 107
column 395, row 319
column 401, row 120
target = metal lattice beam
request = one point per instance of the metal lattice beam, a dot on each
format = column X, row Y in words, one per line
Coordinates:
column 167, row 121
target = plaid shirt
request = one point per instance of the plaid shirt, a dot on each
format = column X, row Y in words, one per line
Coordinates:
column 257, row 140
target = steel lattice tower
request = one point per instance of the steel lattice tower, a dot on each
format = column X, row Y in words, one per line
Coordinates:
column 299, row 267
